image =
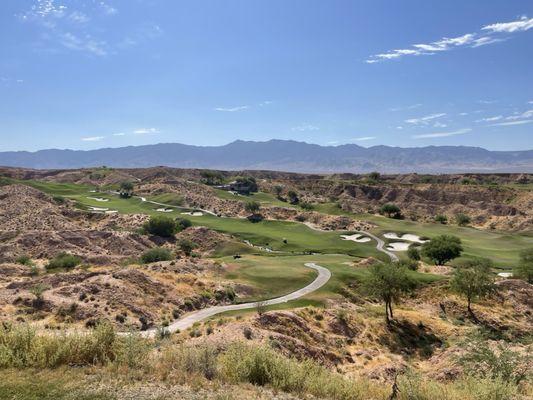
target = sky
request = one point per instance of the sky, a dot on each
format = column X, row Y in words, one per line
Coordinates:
column 91, row 74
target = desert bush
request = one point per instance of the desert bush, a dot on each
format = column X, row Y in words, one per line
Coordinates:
column 156, row 254
column 524, row 269
column 307, row 206
column 413, row 253
column 473, row 279
column 160, row 225
column 494, row 362
column 64, row 260
column 187, row 246
column 252, row 207
column 182, row 223
column 24, row 260
column 442, row 219
column 293, row 197
column 263, row 366
column 462, row 219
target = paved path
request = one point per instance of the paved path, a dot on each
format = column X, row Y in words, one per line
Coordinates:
column 186, row 322
column 381, row 246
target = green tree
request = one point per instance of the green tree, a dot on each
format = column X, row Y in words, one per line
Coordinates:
column 462, row 219
column 413, row 253
column 278, row 189
column 388, row 282
column 126, row 189
column 524, row 269
column 182, row 224
column 187, row 246
column 212, row 177
column 442, row 219
column 474, row 280
column 161, row 225
column 442, row 249
column 156, row 254
column 374, row 176
column 293, row 197
column 252, row 207
column 390, row 210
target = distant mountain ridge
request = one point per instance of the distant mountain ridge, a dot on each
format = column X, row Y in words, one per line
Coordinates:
column 282, row 155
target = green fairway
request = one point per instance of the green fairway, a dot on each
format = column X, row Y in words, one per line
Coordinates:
column 266, row 199
column 503, row 248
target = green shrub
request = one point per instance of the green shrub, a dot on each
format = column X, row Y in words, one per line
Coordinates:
column 524, row 269
column 24, row 260
column 161, row 225
column 64, row 260
column 307, row 206
column 462, row 219
column 413, row 253
column 443, row 219
column 391, row 211
column 187, row 246
column 182, row 224
column 442, row 249
column 156, row 254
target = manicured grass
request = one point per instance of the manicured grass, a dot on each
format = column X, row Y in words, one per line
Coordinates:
column 501, row 247
column 266, row 199
column 300, row 238
column 168, row 198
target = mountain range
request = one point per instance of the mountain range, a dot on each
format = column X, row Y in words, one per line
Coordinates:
column 282, row 155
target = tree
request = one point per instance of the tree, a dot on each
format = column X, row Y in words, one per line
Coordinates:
column 462, row 219
column 38, row 291
column 390, row 210
column 524, row 269
column 126, row 189
column 252, row 207
column 413, row 253
column 161, row 225
column 442, row 219
column 374, row 175
column 187, row 246
column 278, row 189
column 182, row 224
column 473, row 280
column 293, row 197
column 388, row 282
column 307, row 206
column 64, row 260
column 442, row 249
column 212, row 177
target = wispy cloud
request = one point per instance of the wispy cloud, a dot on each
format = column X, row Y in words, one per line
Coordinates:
column 487, row 35
column 490, row 119
column 265, row 103
column 523, row 24
column 411, row 107
column 424, row 120
column 93, row 138
column 231, row 109
column 108, row 9
column 305, row 128
column 87, row 44
column 525, row 115
column 511, row 123
column 146, row 131
column 119, row 134
column 363, row 139
column 442, row 134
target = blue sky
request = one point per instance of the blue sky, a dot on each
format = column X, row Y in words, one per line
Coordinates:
column 91, row 74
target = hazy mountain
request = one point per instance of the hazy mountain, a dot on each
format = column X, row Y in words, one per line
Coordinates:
column 282, row 155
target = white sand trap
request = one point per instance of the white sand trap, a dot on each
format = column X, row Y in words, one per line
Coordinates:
column 408, row 237
column 505, row 274
column 357, row 237
column 164, row 210
column 111, row 212
column 92, row 191
column 398, row 246
column 193, row 214
column 98, row 209
column 98, row 198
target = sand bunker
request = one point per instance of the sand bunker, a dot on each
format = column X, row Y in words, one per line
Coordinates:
column 98, row 198
column 111, row 212
column 398, row 246
column 166, row 210
column 98, row 209
column 408, row 237
column 193, row 214
column 505, row 274
column 357, row 237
